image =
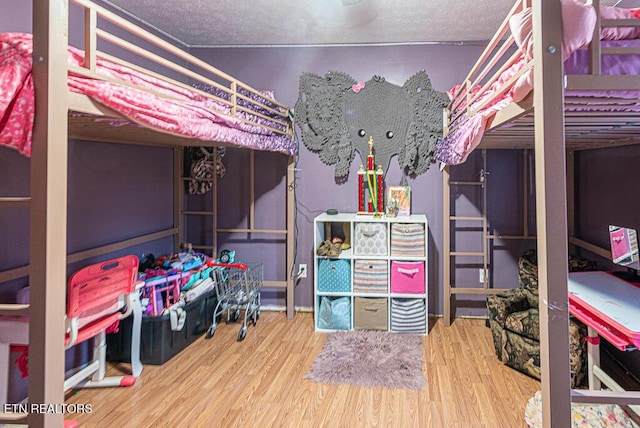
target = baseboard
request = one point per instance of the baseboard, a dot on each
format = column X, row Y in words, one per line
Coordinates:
column 473, row 317
column 277, row 308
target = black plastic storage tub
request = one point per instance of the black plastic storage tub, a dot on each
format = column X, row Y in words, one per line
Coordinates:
column 158, row 343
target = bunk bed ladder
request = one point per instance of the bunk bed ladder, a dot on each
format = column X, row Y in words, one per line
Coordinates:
column 287, row 284
column 179, row 205
column 450, row 291
column 450, row 253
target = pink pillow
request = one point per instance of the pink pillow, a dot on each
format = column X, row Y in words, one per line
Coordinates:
column 523, row 86
column 22, row 296
column 578, row 22
column 618, row 33
column 521, row 25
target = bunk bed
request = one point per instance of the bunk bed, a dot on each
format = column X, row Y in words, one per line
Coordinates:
column 109, row 99
column 547, row 82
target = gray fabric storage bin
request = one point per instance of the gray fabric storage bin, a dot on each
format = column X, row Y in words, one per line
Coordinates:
column 370, row 239
column 370, row 313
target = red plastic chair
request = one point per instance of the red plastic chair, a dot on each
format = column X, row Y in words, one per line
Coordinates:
column 98, row 296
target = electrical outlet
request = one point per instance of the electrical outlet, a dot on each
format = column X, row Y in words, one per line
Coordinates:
column 302, row 270
column 481, row 277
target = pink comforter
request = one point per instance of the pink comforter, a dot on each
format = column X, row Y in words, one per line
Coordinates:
column 176, row 111
column 456, row 147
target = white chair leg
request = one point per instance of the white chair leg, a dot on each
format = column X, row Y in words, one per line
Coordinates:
column 593, row 359
column 136, row 363
column 100, row 355
column 99, row 362
column 79, row 378
column 98, row 368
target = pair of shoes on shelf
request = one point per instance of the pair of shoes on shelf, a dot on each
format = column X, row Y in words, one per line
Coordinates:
column 344, row 245
column 329, row 249
column 338, row 233
column 323, row 248
column 335, row 250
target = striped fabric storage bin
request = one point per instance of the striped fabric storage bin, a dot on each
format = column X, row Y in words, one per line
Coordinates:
column 408, row 315
column 370, row 276
column 407, row 240
column 407, row 277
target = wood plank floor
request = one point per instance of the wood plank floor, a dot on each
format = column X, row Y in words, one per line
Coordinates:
column 259, row 382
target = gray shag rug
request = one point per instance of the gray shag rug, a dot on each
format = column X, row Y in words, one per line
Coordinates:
column 370, row 358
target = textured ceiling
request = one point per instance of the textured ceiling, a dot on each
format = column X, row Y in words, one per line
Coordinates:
column 321, row 22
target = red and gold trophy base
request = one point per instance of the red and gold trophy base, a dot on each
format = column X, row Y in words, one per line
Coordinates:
column 370, row 187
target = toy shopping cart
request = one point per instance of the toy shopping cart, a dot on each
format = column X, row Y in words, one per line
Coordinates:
column 238, row 288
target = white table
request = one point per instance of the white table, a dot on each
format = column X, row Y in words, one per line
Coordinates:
column 610, row 308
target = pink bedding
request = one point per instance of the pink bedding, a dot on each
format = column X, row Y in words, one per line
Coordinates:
column 456, row 147
column 178, row 111
column 578, row 23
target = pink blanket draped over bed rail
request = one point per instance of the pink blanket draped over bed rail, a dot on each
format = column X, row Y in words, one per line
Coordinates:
column 157, row 104
column 578, row 23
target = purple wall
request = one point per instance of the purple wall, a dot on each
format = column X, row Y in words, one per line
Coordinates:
column 279, row 69
column 607, row 191
column 607, row 194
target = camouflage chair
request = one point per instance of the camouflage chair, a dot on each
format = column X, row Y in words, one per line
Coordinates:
column 515, row 327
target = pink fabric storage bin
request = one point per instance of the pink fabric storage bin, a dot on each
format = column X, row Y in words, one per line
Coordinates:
column 407, row 277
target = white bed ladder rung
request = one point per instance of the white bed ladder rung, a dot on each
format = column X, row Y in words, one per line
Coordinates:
column 13, row 418
column 467, row 253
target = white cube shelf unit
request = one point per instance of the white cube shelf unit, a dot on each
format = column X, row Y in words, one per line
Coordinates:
column 381, row 282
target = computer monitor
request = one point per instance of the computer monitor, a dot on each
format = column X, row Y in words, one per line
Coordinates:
column 624, row 252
